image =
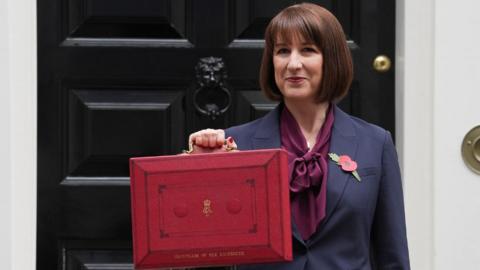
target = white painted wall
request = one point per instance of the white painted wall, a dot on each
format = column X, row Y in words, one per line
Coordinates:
column 414, row 92
column 18, row 68
column 456, row 109
column 5, row 166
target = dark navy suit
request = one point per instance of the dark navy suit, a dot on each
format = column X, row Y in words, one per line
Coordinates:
column 364, row 226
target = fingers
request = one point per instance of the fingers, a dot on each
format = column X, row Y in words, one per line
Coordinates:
column 208, row 138
column 221, row 138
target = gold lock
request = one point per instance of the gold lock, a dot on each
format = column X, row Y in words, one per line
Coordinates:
column 382, row 63
column 471, row 149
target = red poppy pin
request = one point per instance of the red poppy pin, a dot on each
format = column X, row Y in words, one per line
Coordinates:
column 346, row 163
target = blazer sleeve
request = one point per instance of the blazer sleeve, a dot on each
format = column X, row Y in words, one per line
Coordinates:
column 389, row 239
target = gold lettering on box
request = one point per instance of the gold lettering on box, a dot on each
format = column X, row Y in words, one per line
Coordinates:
column 232, row 253
column 209, row 255
column 186, row 256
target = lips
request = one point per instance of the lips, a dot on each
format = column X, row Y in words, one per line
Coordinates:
column 295, row 79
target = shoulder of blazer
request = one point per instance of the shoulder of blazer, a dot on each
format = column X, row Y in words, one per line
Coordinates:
column 242, row 134
column 364, row 129
column 264, row 127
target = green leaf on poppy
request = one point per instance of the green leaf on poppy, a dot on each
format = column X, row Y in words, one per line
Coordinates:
column 334, row 157
column 355, row 174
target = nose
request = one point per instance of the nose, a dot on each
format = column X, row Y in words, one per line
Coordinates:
column 295, row 61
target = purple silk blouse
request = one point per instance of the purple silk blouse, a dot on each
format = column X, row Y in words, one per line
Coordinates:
column 307, row 171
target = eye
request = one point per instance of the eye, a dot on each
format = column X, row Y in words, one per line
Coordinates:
column 310, row 49
column 282, row 51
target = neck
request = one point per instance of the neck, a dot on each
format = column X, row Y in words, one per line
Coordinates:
column 310, row 117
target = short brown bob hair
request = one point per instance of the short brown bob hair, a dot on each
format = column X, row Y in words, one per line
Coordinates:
column 320, row 27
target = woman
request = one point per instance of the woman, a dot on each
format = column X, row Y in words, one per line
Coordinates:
column 344, row 217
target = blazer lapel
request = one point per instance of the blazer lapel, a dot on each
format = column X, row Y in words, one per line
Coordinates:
column 267, row 136
column 342, row 142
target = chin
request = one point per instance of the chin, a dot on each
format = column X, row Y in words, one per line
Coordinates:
column 298, row 98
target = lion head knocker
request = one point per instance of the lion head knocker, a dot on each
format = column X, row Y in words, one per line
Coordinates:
column 212, row 98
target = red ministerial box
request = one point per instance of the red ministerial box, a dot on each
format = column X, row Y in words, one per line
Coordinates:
column 210, row 209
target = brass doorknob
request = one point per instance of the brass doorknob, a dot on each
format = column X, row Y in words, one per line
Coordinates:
column 382, row 63
column 471, row 149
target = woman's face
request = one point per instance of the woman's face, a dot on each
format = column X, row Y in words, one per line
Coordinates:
column 298, row 69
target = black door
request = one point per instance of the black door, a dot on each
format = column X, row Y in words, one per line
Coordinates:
column 123, row 78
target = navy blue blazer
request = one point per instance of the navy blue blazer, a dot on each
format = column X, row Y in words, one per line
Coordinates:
column 364, row 226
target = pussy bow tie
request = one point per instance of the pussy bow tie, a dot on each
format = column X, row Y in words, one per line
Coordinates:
column 307, row 172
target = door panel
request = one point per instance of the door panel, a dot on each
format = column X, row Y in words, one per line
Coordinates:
column 106, row 127
column 125, row 19
column 118, row 78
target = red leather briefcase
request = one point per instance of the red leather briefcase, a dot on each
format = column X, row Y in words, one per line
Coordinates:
column 210, row 209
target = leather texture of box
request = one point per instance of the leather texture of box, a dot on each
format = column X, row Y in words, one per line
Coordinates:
column 210, row 209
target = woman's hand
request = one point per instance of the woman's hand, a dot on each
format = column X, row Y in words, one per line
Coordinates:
column 210, row 141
